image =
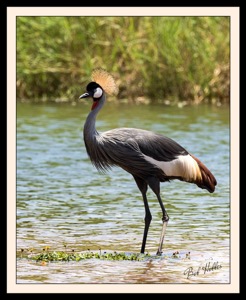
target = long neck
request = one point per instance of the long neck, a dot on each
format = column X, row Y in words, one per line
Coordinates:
column 90, row 132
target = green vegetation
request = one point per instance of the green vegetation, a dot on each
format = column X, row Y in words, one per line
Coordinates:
column 47, row 256
column 63, row 256
column 164, row 59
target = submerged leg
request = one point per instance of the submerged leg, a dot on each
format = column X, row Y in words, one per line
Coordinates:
column 155, row 186
column 142, row 185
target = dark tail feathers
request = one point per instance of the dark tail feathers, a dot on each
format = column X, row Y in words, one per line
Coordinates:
column 208, row 181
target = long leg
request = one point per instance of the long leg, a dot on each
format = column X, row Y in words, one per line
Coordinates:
column 154, row 184
column 142, row 185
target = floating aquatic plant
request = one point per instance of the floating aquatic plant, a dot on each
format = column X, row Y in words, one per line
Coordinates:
column 73, row 256
column 65, row 255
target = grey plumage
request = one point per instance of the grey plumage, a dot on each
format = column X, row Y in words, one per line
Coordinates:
column 126, row 147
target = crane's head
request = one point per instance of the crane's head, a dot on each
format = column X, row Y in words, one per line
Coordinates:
column 102, row 82
column 94, row 90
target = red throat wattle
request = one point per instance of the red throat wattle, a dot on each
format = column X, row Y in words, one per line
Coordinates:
column 94, row 105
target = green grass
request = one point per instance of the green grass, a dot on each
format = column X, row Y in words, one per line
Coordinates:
column 164, row 59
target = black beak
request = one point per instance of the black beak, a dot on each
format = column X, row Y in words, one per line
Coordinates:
column 85, row 95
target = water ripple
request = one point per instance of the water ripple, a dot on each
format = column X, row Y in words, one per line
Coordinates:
column 61, row 198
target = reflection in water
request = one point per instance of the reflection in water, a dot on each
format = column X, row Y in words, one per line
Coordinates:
column 61, row 198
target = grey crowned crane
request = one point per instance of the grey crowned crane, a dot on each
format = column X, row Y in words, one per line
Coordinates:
column 151, row 158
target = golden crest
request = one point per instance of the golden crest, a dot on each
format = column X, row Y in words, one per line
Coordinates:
column 105, row 80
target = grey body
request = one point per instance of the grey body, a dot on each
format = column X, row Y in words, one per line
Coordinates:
column 126, row 147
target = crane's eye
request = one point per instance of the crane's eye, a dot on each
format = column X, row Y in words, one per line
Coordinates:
column 97, row 93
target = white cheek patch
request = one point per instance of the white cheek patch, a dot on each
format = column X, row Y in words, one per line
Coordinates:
column 183, row 166
column 98, row 93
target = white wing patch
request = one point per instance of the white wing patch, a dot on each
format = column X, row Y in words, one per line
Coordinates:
column 183, row 166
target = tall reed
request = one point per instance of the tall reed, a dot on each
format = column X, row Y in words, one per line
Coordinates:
column 164, row 59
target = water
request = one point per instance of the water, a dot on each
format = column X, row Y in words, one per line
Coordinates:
column 63, row 201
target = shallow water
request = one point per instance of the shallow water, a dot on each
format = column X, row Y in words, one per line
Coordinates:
column 63, row 201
